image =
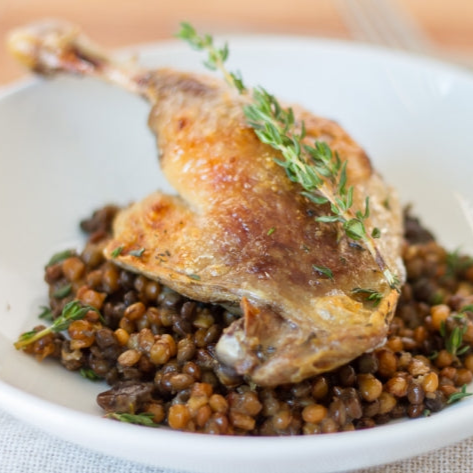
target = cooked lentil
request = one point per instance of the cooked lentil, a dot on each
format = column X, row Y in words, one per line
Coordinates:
column 155, row 348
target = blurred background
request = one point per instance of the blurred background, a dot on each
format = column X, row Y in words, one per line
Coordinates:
column 442, row 28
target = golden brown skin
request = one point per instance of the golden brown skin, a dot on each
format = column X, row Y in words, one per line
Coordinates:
column 240, row 233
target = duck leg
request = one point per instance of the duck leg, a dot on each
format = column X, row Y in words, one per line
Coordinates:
column 239, row 232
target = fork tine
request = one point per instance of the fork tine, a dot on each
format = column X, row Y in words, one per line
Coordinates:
column 381, row 22
column 402, row 26
column 359, row 24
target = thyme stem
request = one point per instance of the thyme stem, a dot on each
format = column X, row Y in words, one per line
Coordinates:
column 145, row 418
column 74, row 310
column 319, row 170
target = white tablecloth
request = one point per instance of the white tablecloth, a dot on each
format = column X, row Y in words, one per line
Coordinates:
column 26, row 449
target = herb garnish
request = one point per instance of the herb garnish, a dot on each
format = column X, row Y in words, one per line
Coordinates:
column 74, row 310
column 319, row 171
column 457, row 263
column 271, row 231
column 116, row 252
column 61, row 256
column 467, row 308
column 137, row 253
column 323, row 271
column 196, row 277
column 454, row 341
column 89, row 374
column 455, row 397
column 46, row 313
column 216, row 57
column 62, row 291
column 145, row 418
column 434, row 355
column 370, row 294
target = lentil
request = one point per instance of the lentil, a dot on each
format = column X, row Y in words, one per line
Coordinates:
column 369, row 386
column 178, row 416
column 314, row 413
column 73, row 268
column 129, row 358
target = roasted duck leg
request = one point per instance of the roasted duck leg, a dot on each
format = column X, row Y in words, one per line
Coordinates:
column 239, row 232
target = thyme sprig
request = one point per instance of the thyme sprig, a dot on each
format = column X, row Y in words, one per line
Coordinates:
column 117, row 251
column 453, row 344
column 138, row 253
column 323, row 271
column 455, row 397
column 74, row 310
column 46, row 313
column 370, row 294
column 457, row 263
column 216, row 56
column 62, row 292
column 61, row 256
column 89, row 373
column 145, row 418
column 320, row 171
column 454, row 337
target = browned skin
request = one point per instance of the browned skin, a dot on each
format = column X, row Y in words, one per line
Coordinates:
column 240, row 233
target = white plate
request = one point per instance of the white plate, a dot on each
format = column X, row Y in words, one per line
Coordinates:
column 69, row 145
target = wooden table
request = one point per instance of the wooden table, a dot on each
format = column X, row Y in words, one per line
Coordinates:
column 445, row 25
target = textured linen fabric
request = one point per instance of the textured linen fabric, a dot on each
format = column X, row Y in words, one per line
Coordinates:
column 27, row 449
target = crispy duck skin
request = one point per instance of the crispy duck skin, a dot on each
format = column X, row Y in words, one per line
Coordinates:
column 239, row 232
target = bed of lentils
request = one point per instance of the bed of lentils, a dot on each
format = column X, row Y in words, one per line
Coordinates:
column 155, row 348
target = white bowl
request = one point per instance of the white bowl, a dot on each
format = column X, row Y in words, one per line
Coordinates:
column 69, row 146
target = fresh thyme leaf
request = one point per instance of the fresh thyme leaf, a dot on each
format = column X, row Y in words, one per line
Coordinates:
column 46, row 313
column 376, row 233
column 116, row 252
column 434, row 355
column 455, row 340
column 27, row 335
column 73, row 310
column 271, row 231
column 60, row 256
column 355, row 229
column 62, row 291
column 328, row 219
column 145, row 418
column 457, row 263
column 320, row 172
column 324, row 271
column 454, row 337
column 467, row 308
column 392, row 279
column 89, row 374
column 216, row 57
column 463, row 350
column 370, row 294
column 443, row 328
column 455, row 397
column 196, row 277
column 137, row 253
column 315, row 198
